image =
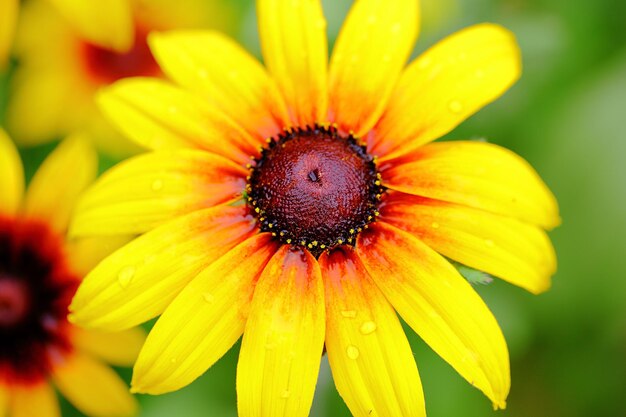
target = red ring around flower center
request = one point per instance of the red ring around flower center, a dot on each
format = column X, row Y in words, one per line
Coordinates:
column 315, row 188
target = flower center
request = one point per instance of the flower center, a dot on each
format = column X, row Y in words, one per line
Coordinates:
column 105, row 66
column 35, row 290
column 315, row 188
column 14, row 300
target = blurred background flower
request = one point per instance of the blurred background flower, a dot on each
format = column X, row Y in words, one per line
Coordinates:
column 567, row 346
column 68, row 49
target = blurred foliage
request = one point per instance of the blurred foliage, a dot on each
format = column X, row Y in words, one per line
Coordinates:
column 566, row 115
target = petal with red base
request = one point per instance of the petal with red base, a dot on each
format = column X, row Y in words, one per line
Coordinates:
column 370, row 357
column 137, row 282
column 283, row 339
column 208, row 317
column 504, row 247
column 475, row 174
column 440, row 305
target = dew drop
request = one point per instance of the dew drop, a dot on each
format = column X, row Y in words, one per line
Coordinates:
column 208, row 297
column 157, row 185
column 435, row 225
column 368, row 327
column 349, row 314
column 352, row 352
column 455, row 106
column 285, row 394
column 125, row 276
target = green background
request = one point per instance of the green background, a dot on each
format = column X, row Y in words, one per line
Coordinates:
column 566, row 117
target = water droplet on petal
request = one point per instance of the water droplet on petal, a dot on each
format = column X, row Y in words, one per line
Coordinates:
column 125, row 276
column 157, row 185
column 349, row 314
column 352, row 352
column 455, row 106
column 208, row 297
column 368, row 327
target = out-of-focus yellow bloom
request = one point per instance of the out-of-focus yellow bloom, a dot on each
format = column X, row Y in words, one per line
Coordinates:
column 8, row 16
column 68, row 49
column 40, row 270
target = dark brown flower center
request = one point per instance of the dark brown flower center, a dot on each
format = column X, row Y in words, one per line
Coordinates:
column 315, row 188
column 14, row 300
column 35, row 290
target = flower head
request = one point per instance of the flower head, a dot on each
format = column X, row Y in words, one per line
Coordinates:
column 303, row 205
column 39, row 273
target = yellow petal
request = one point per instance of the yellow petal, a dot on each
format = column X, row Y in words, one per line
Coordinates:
column 447, row 84
column 475, row 174
column 138, row 281
column 8, row 18
column 204, row 321
column 93, row 388
column 36, row 400
column 372, row 363
column 373, row 46
column 158, row 115
column 84, row 253
column 105, row 23
column 145, row 191
column 236, row 82
column 440, row 305
column 282, row 343
column 57, row 184
column 293, row 39
column 11, row 176
column 507, row 248
column 116, row 348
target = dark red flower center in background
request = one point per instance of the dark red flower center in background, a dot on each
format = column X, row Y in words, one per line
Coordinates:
column 36, row 288
column 106, row 66
column 315, row 188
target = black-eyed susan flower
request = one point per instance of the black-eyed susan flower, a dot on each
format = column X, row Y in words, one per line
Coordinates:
column 69, row 49
column 39, row 273
column 304, row 206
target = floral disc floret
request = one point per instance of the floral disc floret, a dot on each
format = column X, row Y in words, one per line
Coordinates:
column 314, row 187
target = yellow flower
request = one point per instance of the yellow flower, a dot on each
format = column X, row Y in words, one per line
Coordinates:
column 343, row 215
column 39, row 273
column 71, row 48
